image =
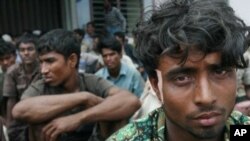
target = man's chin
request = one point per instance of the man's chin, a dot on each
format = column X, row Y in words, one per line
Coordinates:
column 27, row 62
column 207, row 133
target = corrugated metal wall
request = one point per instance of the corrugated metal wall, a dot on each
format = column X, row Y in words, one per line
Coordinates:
column 131, row 10
column 17, row 16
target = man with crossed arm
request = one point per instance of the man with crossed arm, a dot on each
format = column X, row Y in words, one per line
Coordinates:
column 64, row 101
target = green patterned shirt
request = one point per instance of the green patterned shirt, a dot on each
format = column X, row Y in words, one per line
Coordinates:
column 152, row 127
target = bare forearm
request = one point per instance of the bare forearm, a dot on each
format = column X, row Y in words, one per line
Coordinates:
column 116, row 107
column 10, row 104
column 42, row 108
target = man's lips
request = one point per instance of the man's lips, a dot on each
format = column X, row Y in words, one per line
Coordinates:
column 208, row 118
column 109, row 64
column 27, row 59
column 47, row 79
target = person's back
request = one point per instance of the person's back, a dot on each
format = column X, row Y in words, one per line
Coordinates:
column 191, row 50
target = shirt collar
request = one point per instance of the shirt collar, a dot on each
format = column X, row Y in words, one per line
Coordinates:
column 123, row 72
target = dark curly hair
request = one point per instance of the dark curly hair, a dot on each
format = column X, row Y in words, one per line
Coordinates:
column 178, row 25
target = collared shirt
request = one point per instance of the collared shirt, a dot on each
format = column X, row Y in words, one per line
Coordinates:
column 129, row 78
column 16, row 80
column 152, row 127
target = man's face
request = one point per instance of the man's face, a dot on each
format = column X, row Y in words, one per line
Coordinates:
column 111, row 58
column 55, row 69
column 6, row 61
column 27, row 53
column 107, row 4
column 90, row 29
column 198, row 96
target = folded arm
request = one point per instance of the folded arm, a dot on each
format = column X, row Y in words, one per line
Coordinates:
column 115, row 109
column 119, row 105
column 43, row 108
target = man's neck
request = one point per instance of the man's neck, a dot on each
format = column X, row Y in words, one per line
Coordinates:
column 72, row 84
column 114, row 73
column 29, row 68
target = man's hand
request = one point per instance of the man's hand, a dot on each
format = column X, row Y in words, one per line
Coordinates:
column 92, row 100
column 60, row 125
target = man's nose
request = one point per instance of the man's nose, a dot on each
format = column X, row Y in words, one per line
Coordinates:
column 108, row 57
column 204, row 94
column 5, row 61
column 26, row 51
column 44, row 68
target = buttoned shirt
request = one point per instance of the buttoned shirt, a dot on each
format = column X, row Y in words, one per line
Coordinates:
column 129, row 78
column 16, row 80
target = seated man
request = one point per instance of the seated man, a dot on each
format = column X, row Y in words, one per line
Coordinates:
column 18, row 78
column 190, row 50
column 20, row 75
column 116, row 71
column 7, row 58
column 64, row 102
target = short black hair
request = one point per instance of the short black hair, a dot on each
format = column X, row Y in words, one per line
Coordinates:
column 110, row 43
column 79, row 31
column 7, row 48
column 27, row 38
column 61, row 41
column 92, row 23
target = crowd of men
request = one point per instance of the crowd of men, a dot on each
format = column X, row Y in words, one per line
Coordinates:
column 179, row 81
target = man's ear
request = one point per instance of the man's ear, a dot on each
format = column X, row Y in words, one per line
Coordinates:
column 73, row 60
column 154, row 84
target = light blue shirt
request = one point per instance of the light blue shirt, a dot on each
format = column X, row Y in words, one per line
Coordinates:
column 129, row 78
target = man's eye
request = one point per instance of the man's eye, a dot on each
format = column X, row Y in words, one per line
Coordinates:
column 30, row 49
column 182, row 79
column 222, row 72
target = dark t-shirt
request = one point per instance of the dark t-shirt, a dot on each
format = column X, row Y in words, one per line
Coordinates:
column 90, row 83
column 16, row 81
